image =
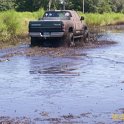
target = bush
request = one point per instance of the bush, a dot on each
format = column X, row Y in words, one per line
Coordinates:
column 13, row 24
column 10, row 19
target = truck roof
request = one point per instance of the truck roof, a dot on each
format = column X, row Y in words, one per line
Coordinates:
column 59, row 10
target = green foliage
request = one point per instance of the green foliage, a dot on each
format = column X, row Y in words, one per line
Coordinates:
column 10, row 19
column 96, row 19
column 7, row 4
column 14, row 23
column 104, row 6
column 99, row 6
column 39, row 13
column 28, row 5
column 9, row 24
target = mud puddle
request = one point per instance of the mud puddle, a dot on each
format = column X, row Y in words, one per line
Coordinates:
column 63, row 85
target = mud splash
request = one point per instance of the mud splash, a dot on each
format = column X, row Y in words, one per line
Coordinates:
column 26, row 50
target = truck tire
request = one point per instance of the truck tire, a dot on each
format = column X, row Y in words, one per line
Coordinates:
column 69, row 40
column 34, row 41
column 86, row 35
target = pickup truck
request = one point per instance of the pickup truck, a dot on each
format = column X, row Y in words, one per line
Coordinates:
column 65, row 25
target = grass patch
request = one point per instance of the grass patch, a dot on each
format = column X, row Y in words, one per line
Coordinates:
column 15, row 24
column 96, row 19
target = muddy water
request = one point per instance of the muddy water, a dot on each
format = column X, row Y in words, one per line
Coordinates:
column 84, row 87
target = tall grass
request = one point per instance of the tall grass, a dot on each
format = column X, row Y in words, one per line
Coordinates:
column 95, row 19
column 13, row 24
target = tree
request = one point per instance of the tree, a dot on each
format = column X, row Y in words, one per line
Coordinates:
column 29, row 5
column 117, row 5
column 99, row 6
column 104, row 6
column 6, row 5
column 91, row 5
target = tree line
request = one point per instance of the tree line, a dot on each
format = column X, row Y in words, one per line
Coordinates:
column 99, row 6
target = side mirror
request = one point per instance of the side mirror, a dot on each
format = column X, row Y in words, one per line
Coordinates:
column 82, row 18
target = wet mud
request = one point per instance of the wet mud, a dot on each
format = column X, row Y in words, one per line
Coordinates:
column 77, row 85
column 27, row 50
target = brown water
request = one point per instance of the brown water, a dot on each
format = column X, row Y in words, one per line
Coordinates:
column 84, row 87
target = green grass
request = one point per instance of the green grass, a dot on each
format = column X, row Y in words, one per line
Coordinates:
column 14, row 24
column 95, row 19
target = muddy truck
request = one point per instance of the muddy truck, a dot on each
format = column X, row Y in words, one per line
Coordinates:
column 58, row 26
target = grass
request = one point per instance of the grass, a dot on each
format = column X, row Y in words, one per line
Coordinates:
column 96, row 19
column 14, row 24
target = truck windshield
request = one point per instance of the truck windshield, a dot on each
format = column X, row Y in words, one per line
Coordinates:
column 63, row 15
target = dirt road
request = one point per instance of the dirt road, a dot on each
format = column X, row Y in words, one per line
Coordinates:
column 63, row 85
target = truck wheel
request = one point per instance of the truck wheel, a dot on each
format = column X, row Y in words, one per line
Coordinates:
column 86, row 36
column 34, row 41
column 69, row 40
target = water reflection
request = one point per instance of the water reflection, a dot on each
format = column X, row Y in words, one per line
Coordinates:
column 55, row 75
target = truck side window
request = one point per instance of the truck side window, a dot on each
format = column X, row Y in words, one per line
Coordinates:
column 67, row 14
